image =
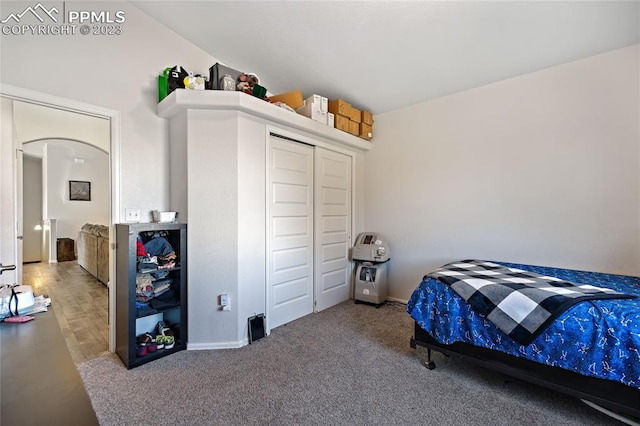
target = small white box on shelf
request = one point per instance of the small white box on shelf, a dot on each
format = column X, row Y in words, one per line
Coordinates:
column 319, row 102
column 316, row 108
column 331, row 119
column 164, row 217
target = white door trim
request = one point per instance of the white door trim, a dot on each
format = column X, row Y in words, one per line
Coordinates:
column 43, row 99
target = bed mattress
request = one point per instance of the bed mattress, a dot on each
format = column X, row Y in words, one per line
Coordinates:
column 598, row 338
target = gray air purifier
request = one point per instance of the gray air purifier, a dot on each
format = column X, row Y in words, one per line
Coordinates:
column 371, row 252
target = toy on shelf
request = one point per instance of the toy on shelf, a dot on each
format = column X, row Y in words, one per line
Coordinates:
column 194, row 82
column 250, row 84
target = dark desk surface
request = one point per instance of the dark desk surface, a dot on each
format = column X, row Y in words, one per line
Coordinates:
column 40, row 384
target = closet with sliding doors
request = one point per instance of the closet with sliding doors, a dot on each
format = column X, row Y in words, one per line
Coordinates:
column 272, row 202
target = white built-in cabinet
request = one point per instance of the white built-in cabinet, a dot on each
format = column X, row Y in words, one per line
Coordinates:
column 271, row 202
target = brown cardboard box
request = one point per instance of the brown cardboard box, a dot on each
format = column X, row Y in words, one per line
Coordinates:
column 367, row 117
column 293, row 99
column 341, row 122
column 354, row 127
column 339, row 107
column 355, row 115
column 343, row 107
column 366, row 131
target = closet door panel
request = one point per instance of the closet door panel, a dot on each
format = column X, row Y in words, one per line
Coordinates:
column 290, row 227
column 332, row 187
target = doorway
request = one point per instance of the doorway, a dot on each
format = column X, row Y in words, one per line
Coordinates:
column 12, row 226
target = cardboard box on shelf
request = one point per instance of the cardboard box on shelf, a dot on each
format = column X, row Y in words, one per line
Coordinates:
column 331, row 119
column 366, row 131
column 354, row 127
column 355, row 115
column 339, row 106
column 343, row 107
column 293, row 99
column 341, row 122
column 367, row 117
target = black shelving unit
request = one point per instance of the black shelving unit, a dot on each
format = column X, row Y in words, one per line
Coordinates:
column 132, row 321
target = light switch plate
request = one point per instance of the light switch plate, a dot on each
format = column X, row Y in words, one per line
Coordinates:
column 132, row 215
column 225, row 302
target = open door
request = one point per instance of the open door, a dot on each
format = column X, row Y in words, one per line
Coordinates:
column 19, row 182
column 32, row 226
column 10, row 228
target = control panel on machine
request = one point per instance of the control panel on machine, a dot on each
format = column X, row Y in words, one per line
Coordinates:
column 370, row 247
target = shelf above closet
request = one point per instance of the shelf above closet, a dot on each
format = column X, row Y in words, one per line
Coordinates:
column 181, row 100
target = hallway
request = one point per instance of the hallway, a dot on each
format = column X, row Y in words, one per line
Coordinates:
column 80, row 302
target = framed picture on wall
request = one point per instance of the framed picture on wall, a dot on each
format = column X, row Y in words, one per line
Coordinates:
column 79, row 190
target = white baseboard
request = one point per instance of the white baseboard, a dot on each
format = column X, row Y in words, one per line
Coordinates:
column 217, row 345
column 395, row 299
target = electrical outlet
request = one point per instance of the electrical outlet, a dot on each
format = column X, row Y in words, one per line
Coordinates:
column 225, row 302
column 132, row 215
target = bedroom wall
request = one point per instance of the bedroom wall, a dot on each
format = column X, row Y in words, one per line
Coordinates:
column 118, row 72
column 542, row 169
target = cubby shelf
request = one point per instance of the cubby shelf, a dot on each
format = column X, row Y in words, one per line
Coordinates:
column 129, row 324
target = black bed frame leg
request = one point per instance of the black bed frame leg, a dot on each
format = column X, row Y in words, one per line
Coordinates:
column 429, row 363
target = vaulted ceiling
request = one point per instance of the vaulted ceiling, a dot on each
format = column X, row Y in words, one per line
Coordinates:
column 385, row 55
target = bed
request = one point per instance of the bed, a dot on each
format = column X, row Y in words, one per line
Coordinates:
column 590, row 350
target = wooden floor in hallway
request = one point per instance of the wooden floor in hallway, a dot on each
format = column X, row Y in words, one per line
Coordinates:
column 80, row 302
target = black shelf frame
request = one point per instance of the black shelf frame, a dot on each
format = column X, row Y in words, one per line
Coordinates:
column 126, row 270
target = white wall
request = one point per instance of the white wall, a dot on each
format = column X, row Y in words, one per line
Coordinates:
column 60, row 169
column 542, row 169
column 35, row 122
column 118, row 72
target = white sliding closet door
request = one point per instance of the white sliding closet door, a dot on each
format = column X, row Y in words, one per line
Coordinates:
column 333, row 227
column 289, row 230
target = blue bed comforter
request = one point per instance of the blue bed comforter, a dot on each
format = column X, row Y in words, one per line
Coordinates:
column 598, row 338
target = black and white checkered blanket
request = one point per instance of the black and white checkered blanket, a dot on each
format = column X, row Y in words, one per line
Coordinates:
column 520, row 303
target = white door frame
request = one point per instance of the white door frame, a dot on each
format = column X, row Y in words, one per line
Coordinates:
column 51, row 101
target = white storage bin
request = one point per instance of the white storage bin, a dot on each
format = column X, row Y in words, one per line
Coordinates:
column 163, row 216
